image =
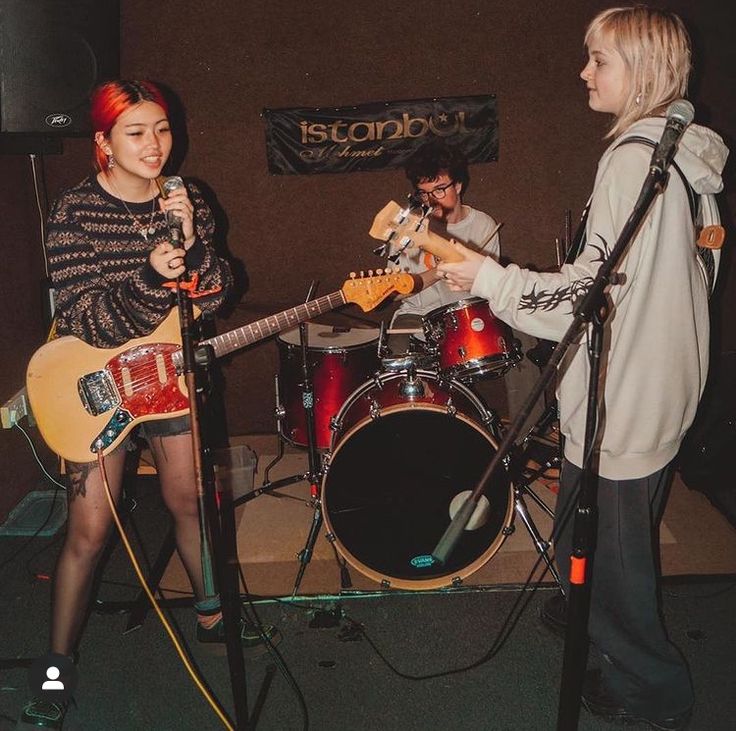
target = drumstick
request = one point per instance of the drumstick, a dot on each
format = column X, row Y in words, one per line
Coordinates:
column 491, row 235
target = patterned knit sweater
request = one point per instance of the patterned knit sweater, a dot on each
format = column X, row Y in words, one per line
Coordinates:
column 106, row 290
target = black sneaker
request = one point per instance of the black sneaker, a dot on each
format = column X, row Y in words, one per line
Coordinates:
column 44, row 714
column 598, row 701
column 554, row 615
column 250, row 634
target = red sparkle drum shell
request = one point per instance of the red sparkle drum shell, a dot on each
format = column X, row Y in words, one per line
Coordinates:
column 469, row 340
column 339, row 359
column 397, row 463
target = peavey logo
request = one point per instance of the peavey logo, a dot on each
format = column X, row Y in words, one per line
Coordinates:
column 58, row 120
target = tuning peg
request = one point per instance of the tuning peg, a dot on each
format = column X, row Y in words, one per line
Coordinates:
column 379, row 272
column 352, row 275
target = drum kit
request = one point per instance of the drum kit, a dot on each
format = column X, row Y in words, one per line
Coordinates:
column 402, row 439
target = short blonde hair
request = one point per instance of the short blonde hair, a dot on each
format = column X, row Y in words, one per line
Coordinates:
column 655, row 47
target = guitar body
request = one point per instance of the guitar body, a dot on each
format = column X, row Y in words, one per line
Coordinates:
column 80, row 394
column 84, row 398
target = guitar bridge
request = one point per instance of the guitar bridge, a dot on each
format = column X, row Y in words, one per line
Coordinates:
column 98, row 392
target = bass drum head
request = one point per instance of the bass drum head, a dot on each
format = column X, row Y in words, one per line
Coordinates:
column 388, row 490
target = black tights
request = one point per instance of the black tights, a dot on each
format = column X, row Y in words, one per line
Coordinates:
column 90, row 522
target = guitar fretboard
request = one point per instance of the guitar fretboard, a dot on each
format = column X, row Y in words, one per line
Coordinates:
column 262, row 329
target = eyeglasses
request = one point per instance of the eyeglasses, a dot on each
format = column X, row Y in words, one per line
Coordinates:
column 438, row 193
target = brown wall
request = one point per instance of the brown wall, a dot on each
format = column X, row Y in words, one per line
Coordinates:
column 228, row 60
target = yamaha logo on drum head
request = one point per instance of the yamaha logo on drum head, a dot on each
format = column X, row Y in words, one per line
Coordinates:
column 58, row 120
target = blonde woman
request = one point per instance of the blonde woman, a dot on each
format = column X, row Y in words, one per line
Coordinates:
column 655, row 363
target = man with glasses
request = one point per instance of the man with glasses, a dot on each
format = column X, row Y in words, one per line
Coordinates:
column 439, row 174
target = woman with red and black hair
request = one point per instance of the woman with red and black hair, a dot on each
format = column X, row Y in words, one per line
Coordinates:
column 109, row 255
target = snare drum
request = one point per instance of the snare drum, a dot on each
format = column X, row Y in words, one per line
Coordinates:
column 469, row 340
column 405, row 453
column 339, row 359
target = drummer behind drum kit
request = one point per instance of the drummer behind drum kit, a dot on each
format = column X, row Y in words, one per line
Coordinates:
column 403, row 440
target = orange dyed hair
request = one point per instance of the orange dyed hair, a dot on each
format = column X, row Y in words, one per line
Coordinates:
column 110, row 100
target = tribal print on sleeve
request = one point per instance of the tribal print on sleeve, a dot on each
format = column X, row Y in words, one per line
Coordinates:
column 546, row 300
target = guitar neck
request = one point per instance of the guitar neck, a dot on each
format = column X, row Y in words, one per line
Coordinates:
column 439, row 247
column 246, row 335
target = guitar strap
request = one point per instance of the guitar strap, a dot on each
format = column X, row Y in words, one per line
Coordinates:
column 52, row 331
column 705, row 253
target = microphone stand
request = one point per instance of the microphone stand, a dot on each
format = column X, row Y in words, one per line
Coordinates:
column 592, row 309
column 210, row 530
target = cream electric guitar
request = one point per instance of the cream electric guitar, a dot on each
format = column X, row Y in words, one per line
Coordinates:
column 403, row 228
column 84, row 398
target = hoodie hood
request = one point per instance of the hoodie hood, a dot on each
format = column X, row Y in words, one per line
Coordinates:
column 701, row 154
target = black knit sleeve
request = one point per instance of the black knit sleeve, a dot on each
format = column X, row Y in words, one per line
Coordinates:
column 214, row 273
column 96, row 300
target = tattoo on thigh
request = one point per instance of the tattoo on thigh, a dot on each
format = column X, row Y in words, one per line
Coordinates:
column 78, row 474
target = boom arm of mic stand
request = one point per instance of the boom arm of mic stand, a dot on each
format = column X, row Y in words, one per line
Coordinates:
column 583, row 313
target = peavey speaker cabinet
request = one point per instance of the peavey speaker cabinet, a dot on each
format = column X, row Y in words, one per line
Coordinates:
column 52, row 53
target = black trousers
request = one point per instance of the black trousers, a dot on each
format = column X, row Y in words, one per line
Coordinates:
column 641, row 668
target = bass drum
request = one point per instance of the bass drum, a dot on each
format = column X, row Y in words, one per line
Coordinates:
column 405, row 452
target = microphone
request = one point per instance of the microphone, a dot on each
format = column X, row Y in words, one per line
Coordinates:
column 679, row 115
column 171, row 184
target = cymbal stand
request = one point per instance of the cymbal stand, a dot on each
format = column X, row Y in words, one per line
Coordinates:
column 521, row 479
column 314, row 472
column 315, row 469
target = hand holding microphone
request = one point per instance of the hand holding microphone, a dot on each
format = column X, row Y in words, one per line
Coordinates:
column 175, row 203
column 168, row 260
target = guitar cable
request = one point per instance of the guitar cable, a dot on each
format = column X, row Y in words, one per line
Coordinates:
column 211, row 700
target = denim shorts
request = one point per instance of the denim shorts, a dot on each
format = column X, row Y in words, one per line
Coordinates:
column 163, row 428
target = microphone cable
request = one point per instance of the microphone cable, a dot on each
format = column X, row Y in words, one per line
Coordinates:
column 211, row 700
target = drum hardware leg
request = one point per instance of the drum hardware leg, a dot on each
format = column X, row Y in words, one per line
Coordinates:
column 279, row 412
column 540, row 544
column 267, row 485
column 551, row 454
column 346, row 581
column 305, row 555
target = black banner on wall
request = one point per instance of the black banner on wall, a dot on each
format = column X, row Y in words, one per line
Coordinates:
column 377, row 135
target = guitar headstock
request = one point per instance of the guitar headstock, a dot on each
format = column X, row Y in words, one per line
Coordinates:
column 405, row 228
column 399, row 225
column 368, row 292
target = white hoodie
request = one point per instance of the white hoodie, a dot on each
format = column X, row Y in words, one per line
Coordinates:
column 655, row 358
